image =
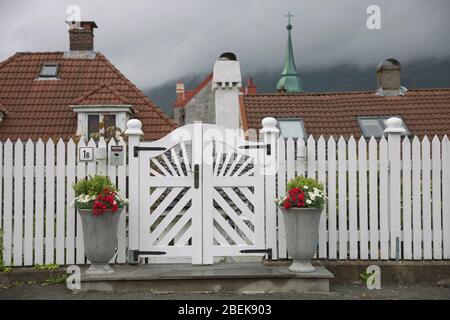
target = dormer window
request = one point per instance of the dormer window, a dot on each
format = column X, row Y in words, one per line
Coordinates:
column 375, row 125
column 292, row 128
column 49, row 71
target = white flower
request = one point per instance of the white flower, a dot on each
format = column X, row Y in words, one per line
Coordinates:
column 308, row 201
column 305, row 187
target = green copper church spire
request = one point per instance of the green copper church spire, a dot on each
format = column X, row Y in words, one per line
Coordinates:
column 290, row 81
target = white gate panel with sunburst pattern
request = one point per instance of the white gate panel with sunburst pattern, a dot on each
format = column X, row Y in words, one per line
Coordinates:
column 233, row 197
column 201, row 194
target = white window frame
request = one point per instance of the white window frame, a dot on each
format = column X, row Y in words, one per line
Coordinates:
column 122, row 113
column 381, row 124
column 302, row 123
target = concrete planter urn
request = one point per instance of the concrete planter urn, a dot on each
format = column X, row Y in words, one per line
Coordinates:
column 302, row 236
column 100, row 238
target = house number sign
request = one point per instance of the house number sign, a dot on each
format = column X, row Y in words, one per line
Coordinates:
column 86, row 154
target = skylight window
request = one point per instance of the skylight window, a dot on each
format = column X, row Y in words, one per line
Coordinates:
column 374, row 126
column 292, row 128
column 49, row 70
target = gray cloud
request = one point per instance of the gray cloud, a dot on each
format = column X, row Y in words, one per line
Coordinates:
column 152, row 42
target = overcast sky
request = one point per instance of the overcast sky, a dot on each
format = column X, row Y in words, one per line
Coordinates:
column 154, row 41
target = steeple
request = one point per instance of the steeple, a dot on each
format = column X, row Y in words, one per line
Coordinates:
column 290, row 81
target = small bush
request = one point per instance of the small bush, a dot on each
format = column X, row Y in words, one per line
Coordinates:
column 93, row 186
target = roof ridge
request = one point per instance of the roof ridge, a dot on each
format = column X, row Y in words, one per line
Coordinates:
column 150, row 103
column 340, row 92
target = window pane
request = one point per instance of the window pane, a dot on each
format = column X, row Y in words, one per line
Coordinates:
column 93, row 121
column 109, row 120
column 49, row 70
column 371, row 127
column 291, row 128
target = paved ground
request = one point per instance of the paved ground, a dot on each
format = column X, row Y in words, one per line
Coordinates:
column 339, row 292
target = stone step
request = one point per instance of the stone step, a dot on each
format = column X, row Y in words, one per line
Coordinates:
column 245, row 278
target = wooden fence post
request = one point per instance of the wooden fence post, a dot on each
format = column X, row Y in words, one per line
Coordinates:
column 394, row 130
column 134, row 133
column 270, row 136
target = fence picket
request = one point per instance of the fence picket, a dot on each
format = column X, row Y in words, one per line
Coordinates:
column 426, row 199
column 300, row 164
column 29, row 212
column 406, row 214
column 362, row 187
column 311, row 156
column 60, row 200
column 49, row 202
column 384, row 200
column 18, row 204
column 373, row 199
column 417, row 214
column 39, row 213
column 70, row 226
column 7, row 214
column 446, row 197
column 342, row 198
column 352, row 199
column 321, row 176
column 436, row 202
column 332, row 225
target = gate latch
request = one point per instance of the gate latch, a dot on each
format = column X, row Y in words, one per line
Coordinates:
column 267, row 251
column 133, row 255
column 196, row 176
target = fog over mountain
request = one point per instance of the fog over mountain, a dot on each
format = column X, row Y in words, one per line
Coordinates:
column 421, row 73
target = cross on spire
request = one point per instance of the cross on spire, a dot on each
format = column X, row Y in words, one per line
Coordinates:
column 289, row 16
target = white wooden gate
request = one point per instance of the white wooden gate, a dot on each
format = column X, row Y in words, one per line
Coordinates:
column 201, row 194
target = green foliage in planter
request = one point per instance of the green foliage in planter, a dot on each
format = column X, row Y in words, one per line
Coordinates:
column 93, row 185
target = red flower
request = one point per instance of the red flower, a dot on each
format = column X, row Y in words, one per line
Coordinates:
column 287, row 204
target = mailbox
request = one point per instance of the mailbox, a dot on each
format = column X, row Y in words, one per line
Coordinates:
column 116, row 156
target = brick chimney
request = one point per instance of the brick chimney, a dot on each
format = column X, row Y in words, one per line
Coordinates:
column 82, row 37
column 250, row 88
column 180, row 91
column 388, row 78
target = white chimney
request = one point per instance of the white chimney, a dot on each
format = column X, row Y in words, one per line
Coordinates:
column 226, row 85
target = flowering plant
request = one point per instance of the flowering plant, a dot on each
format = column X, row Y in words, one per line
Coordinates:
column 98, row 194
column 303, row 193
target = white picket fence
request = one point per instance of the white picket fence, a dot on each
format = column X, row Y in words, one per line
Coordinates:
column 38, row 222
column 363, row 222
column 386, row 201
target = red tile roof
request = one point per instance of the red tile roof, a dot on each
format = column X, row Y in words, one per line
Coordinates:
column 424, row 111
column 40, row 108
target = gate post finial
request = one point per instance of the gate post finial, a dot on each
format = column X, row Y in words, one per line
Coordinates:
column 134, row 127
column 394, row 125
column 269, row 125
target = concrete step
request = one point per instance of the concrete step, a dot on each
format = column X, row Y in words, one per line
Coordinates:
column 227, row 277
